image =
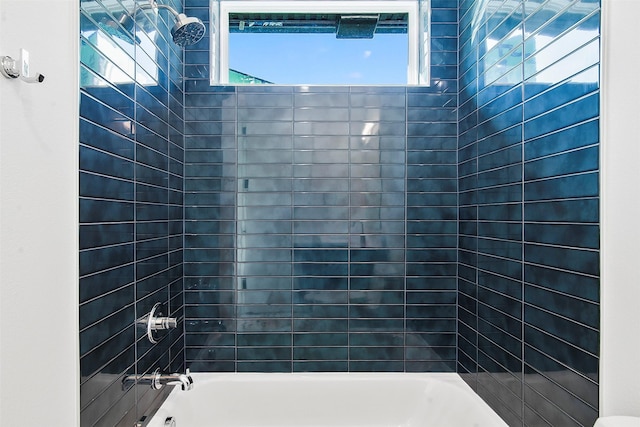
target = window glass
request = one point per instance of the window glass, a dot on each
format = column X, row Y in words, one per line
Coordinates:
column 330, row 42
column 308, row 57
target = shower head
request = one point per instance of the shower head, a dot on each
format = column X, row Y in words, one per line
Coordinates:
column 187, row 30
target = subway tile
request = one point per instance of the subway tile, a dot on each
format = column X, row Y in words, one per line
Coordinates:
column 432, row 325
column 315, row 99
column 571, row 332
column 91, row 134
column 499, row 319
column 93, row 337
column 541, row 14
column 102, row 114
column 570, row 259
column 264, row 366
column 545, row 54
column 584, row 312
column 502, row 285
column 221, row 98
column 583, row 388
column 567, row 282
column 92, row 211
column 96, row 285
column 556, row 405
column 582, row 160
column 567, row 115
column 558, row 200
column 573, row 210
column 499, row 230
column 558, row 95
column 436, row 142
column 500, row 158
column 564, row 353
column 432, row 269
column 377, row 100
column 489, row 126
column 225, row 114
column 264, row 99
column 108, row 186
column 430, row 366
column 502, row 176
column 95, row 260
column 318, row 324
column 500, row 266
column 498, row 351
column 575, row 235
column 375, row 353
column 430, row 127
column 564, row 187
column 502, row 195
column 208, row 354
column 263, row 353
column 320, row 366
column 501, row 139
column 91, row 236
column 568, row 138
column 416, row 129
column 318, row 352
column 94, row 385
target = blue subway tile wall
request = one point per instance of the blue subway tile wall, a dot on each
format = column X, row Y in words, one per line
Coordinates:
column 441, row 228
column 528, row 280
column 320, row 222
column 131, row 206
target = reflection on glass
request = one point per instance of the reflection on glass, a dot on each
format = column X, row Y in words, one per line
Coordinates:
column 556, row 52
column 117, row 49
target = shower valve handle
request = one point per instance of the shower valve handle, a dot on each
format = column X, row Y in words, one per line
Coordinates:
column 155, row 323
column 162, row 323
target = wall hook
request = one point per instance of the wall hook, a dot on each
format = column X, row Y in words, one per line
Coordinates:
column 12, row 69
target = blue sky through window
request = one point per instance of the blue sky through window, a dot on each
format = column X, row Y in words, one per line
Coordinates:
column 320, row 58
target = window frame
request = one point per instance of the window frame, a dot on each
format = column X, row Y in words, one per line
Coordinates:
column 220, row 28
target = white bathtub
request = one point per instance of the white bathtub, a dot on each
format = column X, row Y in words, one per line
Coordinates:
column 326, row 400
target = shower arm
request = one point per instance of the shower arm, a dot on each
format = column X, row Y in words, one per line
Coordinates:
column 153, row 4
column 186, row 31
column 170, row 9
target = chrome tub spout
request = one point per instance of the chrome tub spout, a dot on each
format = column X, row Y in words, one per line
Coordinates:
column 184, row 380
column 157, row 380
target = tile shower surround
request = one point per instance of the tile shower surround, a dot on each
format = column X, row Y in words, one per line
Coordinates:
column 528, row 279
column 338, row 276
column 321, row 236
column 321, row 222
column 131, row 205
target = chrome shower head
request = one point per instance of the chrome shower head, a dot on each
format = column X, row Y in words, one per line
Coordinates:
column 188, row 30
column 122, row 24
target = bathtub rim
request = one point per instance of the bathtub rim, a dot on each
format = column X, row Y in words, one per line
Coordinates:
column 449, row 378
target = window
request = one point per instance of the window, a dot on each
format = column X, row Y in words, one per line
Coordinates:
column 319, row 42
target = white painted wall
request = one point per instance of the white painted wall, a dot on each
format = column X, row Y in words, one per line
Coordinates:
column 39, row 374
column 620, row 289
